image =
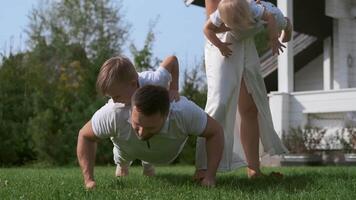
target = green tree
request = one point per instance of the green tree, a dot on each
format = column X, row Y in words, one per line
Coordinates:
column 93, row 24
column 194, row 85
column 48, row 93
column 144, row 59
column 70, row 39
column 15, row 109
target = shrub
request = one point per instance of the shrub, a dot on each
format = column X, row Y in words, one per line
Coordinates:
column 306, row 140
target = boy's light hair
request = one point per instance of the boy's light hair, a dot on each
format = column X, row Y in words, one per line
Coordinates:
column 236, row 14
column 115, row 70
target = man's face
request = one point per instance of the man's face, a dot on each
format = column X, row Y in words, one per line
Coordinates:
column 121, row 92
column 146, row 126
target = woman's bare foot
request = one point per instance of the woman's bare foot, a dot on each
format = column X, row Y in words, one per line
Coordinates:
column 121, row 171
column 199, row 175
column 252, row 174
column 287, row 32
column 261, row 175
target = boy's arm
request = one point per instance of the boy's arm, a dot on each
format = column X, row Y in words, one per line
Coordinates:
column 276, row 46
column 172, row 66
column 210, row 31
column 86, row 150
column 214, row 136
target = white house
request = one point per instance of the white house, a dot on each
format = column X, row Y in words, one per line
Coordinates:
column 314, row 81
column 322, row 91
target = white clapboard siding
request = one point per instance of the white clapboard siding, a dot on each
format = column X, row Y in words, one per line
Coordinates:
column 310, row 77
column 325, row 101
column 333, row 101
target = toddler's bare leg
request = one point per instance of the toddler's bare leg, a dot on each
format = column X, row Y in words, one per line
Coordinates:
column 287, row 32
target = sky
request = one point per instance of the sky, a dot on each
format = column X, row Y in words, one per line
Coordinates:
column 178, row 30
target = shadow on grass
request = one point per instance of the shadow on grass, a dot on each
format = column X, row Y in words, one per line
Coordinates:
column 292, row 182
column 289, row 183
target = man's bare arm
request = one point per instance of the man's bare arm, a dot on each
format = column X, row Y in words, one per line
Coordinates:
column 86, row 150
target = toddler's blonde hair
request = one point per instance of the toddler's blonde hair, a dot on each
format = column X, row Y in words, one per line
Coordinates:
column 236, row 14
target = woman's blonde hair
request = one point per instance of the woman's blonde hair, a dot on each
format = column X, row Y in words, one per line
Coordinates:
column 236, row 14
column 115, row 70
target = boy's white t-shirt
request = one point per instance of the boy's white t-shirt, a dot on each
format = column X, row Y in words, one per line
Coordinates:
column 113, row 120
column 160, row 77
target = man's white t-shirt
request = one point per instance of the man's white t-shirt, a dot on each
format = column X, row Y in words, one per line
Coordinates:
column 113, row 120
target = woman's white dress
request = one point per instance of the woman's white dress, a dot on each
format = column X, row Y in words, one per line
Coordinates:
column 224, row 80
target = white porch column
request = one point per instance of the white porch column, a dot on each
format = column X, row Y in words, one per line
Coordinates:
column 340, row 52
column 279, row 104
column 286, row 59
column 327, row 65
column 279, row 101
column 342, row 14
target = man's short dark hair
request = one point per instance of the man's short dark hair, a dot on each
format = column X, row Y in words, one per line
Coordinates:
column 151, row 99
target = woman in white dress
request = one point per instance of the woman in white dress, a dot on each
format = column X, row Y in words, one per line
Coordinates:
column 235, row 83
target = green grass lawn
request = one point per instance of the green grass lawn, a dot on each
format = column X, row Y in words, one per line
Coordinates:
column 174, row 182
